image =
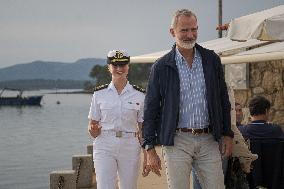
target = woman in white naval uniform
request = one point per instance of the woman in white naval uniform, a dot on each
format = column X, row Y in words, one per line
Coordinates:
column 116, row 113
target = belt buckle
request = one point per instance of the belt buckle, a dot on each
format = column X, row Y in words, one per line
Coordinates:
column 118, row 134
column 194, row 132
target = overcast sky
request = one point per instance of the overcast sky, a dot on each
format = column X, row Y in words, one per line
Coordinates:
column 68, row 30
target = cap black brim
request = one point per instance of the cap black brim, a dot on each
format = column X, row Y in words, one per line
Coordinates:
column 119, row 63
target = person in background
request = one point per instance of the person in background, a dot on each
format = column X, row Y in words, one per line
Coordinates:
column 187, row 110
column 259, row 128
column 240, row 149
column 239, row 114
column 257, row 133
column 115, row 119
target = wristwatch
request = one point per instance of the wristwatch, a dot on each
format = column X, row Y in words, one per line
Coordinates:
column 149, row 147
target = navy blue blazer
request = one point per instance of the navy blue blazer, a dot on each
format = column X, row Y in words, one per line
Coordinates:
column 161, row 108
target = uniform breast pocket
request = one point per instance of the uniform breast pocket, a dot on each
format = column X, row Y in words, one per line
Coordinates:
column 107, row 112
column 130, row 111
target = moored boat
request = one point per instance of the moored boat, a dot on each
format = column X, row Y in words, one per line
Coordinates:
column 19, row 100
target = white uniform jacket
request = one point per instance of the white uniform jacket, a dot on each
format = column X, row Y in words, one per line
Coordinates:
column 117, row 112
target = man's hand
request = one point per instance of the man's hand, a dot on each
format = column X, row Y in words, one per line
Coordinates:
column 226, row 146
column 153, row 161
column 94, row 128
column 146, row 168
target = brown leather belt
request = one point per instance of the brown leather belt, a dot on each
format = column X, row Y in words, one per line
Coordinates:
column 193, row 131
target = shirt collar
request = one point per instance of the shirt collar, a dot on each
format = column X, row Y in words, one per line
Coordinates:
column 180, row 58
column 111, row 86
column 126, row 88
column 258, row 122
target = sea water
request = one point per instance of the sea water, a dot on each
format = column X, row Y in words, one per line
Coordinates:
column 34, row 141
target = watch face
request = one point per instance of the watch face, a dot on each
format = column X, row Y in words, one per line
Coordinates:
column 148, row 147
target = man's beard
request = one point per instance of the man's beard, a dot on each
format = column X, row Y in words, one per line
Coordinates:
column 187, row 44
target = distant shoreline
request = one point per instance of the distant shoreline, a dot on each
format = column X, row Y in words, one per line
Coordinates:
column 72, row 92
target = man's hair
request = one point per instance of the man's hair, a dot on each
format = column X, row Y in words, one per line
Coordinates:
column 181, row 12
column 258, row 105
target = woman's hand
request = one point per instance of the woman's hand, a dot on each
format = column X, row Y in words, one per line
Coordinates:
column 94, row 128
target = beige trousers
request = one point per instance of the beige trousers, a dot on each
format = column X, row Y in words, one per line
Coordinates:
column 202, row 151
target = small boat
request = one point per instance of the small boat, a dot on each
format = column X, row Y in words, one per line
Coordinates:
column 19, row 100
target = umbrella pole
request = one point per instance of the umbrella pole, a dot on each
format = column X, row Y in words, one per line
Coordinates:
column 220, row 17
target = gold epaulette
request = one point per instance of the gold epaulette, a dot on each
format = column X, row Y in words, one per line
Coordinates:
column 139, row 89
column 100, row 87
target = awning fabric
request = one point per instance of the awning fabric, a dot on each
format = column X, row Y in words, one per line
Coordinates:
column 274, row 51
column 265, row 25
column 222, row 46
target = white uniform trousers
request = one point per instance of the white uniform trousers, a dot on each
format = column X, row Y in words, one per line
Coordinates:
column 116, row 156
column 200, row 151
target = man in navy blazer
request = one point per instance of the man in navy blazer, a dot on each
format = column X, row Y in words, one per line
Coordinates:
column 187, row 110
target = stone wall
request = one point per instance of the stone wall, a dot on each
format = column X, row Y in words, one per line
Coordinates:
column 266, row 79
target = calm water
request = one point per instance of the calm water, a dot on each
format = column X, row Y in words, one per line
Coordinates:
column 35, row 141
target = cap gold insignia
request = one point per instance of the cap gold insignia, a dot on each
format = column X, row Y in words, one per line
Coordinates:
column 118, row 54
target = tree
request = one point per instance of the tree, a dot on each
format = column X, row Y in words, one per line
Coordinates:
column 101, row 74
column 138, row 74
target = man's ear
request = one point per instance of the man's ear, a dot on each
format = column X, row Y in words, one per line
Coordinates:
column 172, row 32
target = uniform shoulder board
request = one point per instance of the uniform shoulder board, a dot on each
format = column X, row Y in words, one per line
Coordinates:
column 139, row 89
column 100, row 87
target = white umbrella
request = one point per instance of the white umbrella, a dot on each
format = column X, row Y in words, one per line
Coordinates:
column 267, row 25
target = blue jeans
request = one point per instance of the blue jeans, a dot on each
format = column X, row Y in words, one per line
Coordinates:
column 196, row 184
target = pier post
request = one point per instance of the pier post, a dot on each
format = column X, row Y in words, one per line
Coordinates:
column 90, row 151
column 83, row 166
column 65, row 179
